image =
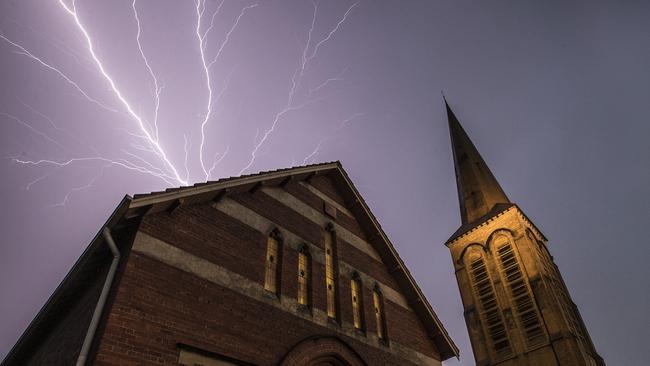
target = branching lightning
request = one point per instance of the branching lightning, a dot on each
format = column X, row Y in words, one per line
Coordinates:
column 86, row 186
column 296, row 79
column 157, row 88
column 33, row 129
column 146, row 146
column 327, row 81
column 307, row 158
column 72, row 11
column 200, row 10
column 23, row 51
column 343, row 124
column 120, row 162
column 333, row 31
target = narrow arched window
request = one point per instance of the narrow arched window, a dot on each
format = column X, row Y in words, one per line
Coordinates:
column 304, row 276
column 357, row 301
column 520, row 294
column 380, row 319
column 273, row 261
column 489, row 312
column 331, row 272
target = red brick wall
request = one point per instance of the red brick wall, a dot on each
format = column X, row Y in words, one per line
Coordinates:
column 178, row 307
column 325, row 185
column 158, row 306
column 305, row 195
column 210, row 234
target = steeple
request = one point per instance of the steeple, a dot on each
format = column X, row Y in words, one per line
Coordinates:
column 515, row 304
column 478, row 190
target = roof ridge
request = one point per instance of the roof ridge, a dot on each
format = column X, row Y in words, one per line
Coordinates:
column 231, row 178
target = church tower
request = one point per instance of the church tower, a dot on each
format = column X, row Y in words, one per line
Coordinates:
column 517, row 308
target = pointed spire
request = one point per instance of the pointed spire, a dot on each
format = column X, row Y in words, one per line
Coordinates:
column 478, row 190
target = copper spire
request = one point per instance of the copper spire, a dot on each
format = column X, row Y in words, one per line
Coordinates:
column 478, row 190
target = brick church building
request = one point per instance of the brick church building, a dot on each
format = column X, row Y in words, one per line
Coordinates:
column 287, row 267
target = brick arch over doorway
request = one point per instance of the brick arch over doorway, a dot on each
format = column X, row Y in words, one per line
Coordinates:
column 322, row 351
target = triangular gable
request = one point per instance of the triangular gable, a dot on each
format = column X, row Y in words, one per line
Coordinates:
column 351, row 201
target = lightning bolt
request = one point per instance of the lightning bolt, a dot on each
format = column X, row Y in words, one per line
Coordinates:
column 30, row 184
column 81, row 60
column 72, row 11
column 342, row 125
column 200, row 10
column 346, row 121
column 325, row 83
column 54, row 125
column 23, row 51
column 295, row 80
column 81, row 188
column 157, row 88
column 186, row 148
column 333, row 31
column 313, row 153
column 216, row 161
column 121, row 163
column 214, row 14
column 146, row 154
column 33, row 129
column 232, row 29
column 151, row 170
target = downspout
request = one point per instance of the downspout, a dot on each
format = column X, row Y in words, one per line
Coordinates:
column 94, row 322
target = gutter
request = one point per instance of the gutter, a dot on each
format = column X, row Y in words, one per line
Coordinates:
column 94, row 322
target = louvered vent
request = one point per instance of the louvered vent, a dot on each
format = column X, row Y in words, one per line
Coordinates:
column 520, row 294
column 489, row 308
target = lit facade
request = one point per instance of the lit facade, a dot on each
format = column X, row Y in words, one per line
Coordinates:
column 517, row 308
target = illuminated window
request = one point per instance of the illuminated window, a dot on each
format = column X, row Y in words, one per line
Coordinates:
column 488, row 307
column 304, row 276
column 380, row 320
column 331, row 272
column 517, row 286
column 272, row 270
column 357, row 301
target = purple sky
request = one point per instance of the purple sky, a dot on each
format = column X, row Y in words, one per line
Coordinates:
column 554, row 94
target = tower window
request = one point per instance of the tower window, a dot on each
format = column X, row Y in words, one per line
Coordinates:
column 304, row 276
column 357, row 301
column 520, row 295
column 380, row 319
column 273, row 262
column 331, row 273
column 489, row 308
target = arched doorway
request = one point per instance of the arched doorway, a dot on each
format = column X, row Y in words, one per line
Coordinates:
column 322, row 351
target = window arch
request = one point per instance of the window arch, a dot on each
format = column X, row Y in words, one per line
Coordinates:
column 331, row 272
column 304, row 276
column 317, row 351
column 273, row 263
column 356, row 292
column 380, row 315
